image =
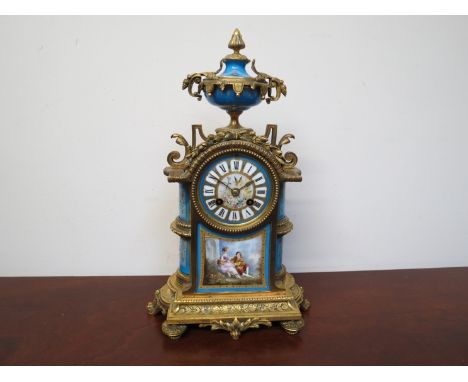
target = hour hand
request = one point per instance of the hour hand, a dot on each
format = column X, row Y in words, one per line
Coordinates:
column 246, row 185
column 224, row 184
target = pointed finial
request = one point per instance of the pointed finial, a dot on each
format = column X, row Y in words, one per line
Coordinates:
column 236, row 43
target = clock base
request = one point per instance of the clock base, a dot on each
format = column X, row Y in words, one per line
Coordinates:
column 232, row 312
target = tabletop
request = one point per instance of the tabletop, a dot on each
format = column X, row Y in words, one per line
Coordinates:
column 396, row 317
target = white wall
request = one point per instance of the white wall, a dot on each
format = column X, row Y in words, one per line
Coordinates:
column 88, row 104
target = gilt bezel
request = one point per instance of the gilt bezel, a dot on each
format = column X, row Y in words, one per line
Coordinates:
column 243, row 148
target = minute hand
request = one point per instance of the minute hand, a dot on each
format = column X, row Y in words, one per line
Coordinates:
column 220, row 181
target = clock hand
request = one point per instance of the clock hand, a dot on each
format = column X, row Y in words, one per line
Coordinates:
column 220, row 181
column 246, row 185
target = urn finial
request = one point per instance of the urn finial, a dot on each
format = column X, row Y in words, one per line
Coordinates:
column 234, row 89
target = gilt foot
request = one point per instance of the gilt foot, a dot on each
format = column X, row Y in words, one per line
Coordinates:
column 292, row 327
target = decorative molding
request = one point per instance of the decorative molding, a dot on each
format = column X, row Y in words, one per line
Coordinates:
column 183, row 229
column 226, row 308
column 179, row 227
column 182, row 308
column 236, row 327
column 182, row 170
column 284, row 226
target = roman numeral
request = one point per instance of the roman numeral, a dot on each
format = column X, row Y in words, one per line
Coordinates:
column 212, row 177
column 249, row 168
column 259, row 179
column 236, row 165
column 261, row 192
column 222, row 168
column 208, row 190
column 247, row 213
column 234, row 216
column 258, row 204
column 211, row 203
column 221, row 212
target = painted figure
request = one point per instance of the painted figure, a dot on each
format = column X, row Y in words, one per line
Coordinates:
column 225, row 265
column 241, row 266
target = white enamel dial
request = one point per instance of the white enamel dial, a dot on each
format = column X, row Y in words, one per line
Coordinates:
column 234, row 189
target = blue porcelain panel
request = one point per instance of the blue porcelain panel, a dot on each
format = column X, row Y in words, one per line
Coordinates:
column 279, row 254
column 235, row 68
column 228, row 100
column 184, row 256
column 184, row 202
column 281, row 201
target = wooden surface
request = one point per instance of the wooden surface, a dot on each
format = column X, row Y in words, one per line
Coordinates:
column 404, row 317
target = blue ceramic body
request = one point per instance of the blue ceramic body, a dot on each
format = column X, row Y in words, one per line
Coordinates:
column 227, row 99
column 235, row 68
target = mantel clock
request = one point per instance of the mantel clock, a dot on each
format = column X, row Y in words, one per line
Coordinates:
column 231, row 218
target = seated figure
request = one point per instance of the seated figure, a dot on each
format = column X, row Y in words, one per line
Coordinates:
column 226, row 266
column 241, row 266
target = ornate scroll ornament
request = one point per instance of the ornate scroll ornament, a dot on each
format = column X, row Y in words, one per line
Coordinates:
column 274, row 83
column 197, row 78
column 287, row 161
column 156, row 306
column 236, row 327
column 174, row 155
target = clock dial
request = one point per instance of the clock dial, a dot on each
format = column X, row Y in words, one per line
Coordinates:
column 234, row 189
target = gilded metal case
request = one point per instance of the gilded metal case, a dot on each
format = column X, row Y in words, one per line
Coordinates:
column 231, row 275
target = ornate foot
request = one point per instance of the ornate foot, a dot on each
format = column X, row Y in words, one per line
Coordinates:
column 174, row 332
column 236, row 327
column 155, row 306
column 292, row 327
column 153, row 309
column 305, row 304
